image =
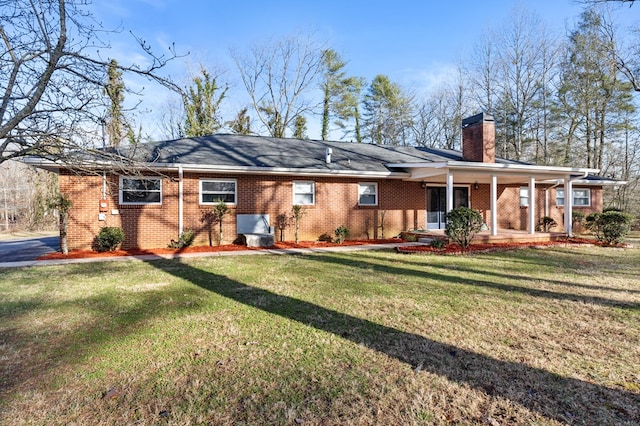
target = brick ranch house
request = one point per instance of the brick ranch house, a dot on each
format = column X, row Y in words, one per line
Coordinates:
column 360, row 186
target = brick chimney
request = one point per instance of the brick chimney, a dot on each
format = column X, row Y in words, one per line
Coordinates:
column 478, row 138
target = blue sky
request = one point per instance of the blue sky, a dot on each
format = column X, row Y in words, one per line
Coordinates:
column 416, row 43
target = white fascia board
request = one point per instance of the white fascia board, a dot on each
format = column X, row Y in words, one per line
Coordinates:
column 165, row 167
column 279, row 171
column 497, row 167
column 599, row 182
column 520, row 168
column 418, row 165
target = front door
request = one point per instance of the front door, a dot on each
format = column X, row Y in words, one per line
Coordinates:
column 437, row 204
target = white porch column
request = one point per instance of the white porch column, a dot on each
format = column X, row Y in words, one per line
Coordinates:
column 532, row 205
column 494, row 205
column 449, row 191
column 568, row 206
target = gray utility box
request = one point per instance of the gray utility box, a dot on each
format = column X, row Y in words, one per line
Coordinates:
column 256, row 229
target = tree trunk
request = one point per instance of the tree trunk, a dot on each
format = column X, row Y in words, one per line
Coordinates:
column 64, row 245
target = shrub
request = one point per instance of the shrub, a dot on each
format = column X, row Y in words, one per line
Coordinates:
column 297, row 213
column 546, row 223
column 410, row 238
column 185, row 240
column 342, row 233
column 577, row 217
column 438, row 243
column 463, row 224
column 610, row 227
column 109, row 238
column 326, row 238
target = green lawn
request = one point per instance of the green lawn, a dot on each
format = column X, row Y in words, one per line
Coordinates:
column 536, row 336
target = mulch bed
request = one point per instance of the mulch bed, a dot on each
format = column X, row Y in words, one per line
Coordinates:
column 450, row 249
column 79, row 254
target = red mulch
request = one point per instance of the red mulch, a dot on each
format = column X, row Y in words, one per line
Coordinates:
column 78, row 254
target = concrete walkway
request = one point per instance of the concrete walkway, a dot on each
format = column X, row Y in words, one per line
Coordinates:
column 147, row 257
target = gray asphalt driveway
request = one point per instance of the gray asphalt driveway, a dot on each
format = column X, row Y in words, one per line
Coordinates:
column 27, row 249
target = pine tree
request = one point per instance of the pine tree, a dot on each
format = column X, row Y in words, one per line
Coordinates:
column 300, row 129
column 332, row 85
column 241, row 125
column 114, row 89
column 201, row 105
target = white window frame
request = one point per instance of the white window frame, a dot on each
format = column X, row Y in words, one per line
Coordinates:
column 312, row 193
column 563, row 198
column 363, row 186
column 588, row 197
column 558, row 198
column 201, row 191
column 524, row 196
column 142, row 203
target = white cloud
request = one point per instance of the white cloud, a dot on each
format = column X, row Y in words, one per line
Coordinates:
column 426, row 80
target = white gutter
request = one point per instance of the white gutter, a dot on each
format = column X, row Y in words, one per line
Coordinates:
column 492, row 167
column 276, row 171
column 279, row 171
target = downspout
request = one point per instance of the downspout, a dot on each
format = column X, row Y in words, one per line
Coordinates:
column 104, row 195
column 568, row 203
column 180, row 201
column 104, row 185
column 546, row 196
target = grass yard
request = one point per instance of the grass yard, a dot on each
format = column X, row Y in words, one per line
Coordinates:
column 535, row 336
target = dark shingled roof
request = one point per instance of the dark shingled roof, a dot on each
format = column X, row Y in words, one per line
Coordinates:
column 258, row 151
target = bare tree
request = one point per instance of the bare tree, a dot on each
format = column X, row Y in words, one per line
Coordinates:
column 278, row 78
column 438, row 120
column 53, row 77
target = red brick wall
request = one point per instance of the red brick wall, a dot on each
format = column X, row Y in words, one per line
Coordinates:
column 512, row 216
column 336, row 204
column 478, row 142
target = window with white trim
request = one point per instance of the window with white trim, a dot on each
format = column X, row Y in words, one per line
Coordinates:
column 304, row 193
column 368, row 194
column 581, row 197
column 524, row 196
column 212, row 191
column 140, row 190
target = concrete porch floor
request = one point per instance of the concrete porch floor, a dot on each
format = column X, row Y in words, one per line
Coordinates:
column 504, row 236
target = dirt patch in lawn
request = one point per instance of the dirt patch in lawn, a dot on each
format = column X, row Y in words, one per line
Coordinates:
column 78, row 254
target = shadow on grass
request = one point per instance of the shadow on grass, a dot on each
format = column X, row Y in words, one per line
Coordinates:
column 28, row 356
column 551, row 395
column 451, row 277
column 487, row 272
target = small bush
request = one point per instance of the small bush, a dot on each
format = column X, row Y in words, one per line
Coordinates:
column 109, row 238
column 185, row 240
column 325, row 238
column 438, row 243
column 546, row 223
column 577, row 221
column 610, row 227
column 342, row 233
column 463, row 224
column 410, row 238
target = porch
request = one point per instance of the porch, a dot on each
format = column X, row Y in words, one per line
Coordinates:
column 485, row 237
